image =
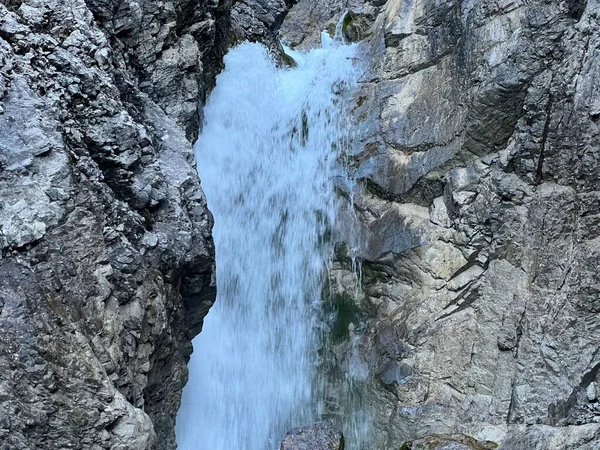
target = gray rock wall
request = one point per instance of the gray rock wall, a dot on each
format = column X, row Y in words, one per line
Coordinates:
column 478, row 209
column 107, row 266
column 478, row 220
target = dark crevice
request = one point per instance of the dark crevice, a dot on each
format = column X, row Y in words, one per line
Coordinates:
column 472, row 261
column 589, row 376
column 511, row 405
column 468, row 301
column 576, row 8
column 519, row 331
column 468, row 297
column 112, row 425
column 540, row 163
column 560, row 413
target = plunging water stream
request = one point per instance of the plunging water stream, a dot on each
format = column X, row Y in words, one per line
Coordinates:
column 267, row 157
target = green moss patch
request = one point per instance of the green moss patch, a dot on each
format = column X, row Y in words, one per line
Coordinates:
column 346, row 313
column 288, row 61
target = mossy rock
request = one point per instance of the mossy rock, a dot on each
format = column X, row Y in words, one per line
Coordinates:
column 355, row 27
column 346, row 313
column 331, row 29
column 288, row 61
column 361, row 100
column 348, row 18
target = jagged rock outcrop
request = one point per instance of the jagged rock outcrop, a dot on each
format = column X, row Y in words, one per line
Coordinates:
column 259, row 21
column 478, row 222
column 308, row 18
column 107, row 265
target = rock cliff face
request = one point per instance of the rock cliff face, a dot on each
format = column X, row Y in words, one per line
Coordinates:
column 107, row 265
column 478, row 208
column 479, row 214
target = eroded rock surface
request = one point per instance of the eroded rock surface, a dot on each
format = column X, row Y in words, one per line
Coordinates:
column 107, row 265
column 478, row 221
column 319, row 436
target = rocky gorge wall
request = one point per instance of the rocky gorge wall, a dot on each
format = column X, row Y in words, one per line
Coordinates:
column 107, row 265
column 478, row 212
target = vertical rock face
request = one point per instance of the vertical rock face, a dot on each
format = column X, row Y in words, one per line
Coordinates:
column 479, row 212
column 479, row 215
column 107, row 265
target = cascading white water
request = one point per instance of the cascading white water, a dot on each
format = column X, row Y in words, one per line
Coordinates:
column 267, row 157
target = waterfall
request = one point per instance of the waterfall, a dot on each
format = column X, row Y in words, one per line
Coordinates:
column 267, row 157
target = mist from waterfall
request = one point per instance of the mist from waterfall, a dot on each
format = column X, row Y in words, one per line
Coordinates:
column 267, row 156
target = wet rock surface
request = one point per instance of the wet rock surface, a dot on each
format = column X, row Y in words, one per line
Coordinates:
column 107, row 266
column 477, row 222
column 319, row 436
column 306, row 20
column 258, row 20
